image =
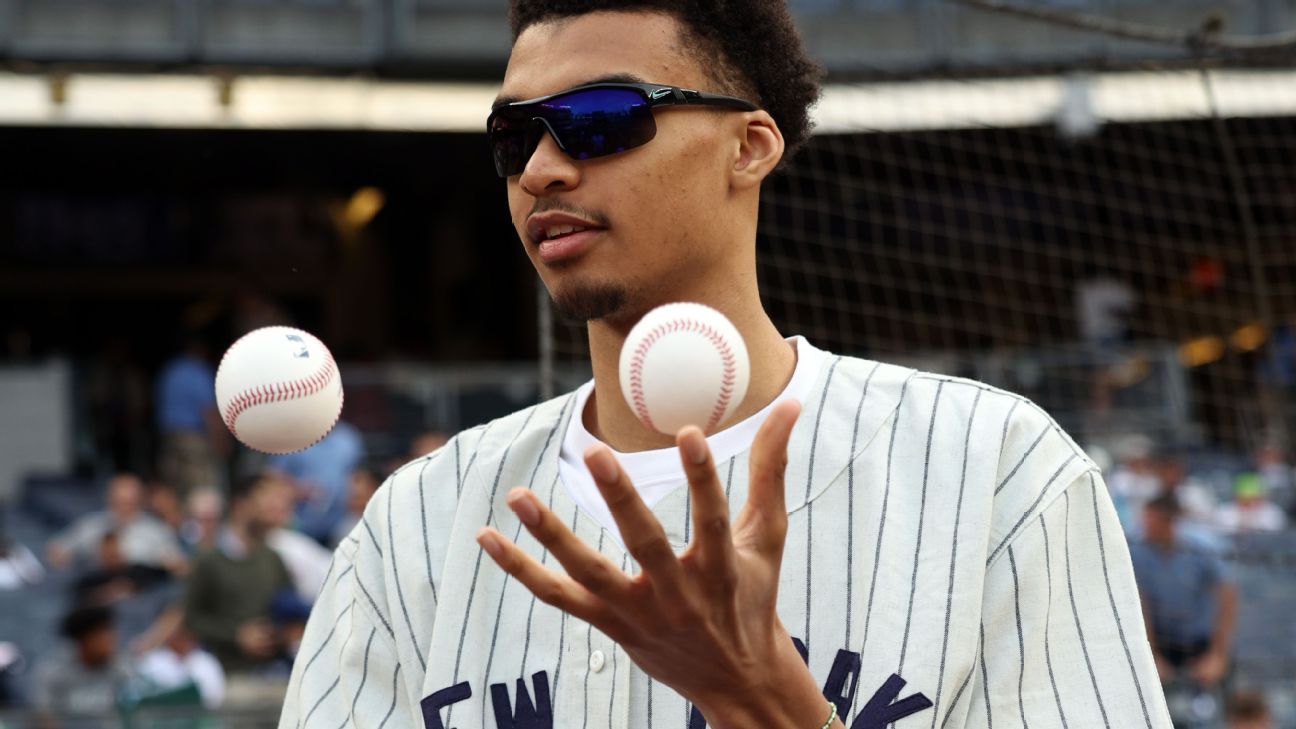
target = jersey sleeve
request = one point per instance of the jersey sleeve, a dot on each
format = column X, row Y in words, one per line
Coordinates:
column 348, row 670
column 1062, row 636
column 364, row 653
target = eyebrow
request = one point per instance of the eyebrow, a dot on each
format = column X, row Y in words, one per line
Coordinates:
column 614, row 78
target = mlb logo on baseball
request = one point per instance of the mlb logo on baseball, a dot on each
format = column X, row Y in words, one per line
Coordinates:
column 279, row 390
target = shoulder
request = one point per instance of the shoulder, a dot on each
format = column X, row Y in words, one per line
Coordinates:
column 483, row 447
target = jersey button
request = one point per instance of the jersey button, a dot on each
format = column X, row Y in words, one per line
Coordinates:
column 596, row 661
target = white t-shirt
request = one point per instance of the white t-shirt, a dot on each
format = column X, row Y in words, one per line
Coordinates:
column 658, row 472
column 167, row 669
column 307, row 561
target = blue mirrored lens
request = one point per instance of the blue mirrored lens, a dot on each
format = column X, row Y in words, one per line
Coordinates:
column 598, row 122
column 586, row 124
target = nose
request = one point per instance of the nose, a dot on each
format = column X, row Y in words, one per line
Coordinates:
column 549, row 170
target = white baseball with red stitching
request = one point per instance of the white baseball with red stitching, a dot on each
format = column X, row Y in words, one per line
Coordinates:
column 279, row 390
column 684, row 364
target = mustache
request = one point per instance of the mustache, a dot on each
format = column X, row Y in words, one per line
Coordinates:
column 547, row 205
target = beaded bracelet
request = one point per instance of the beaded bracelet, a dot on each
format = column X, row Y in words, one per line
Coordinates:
column 831, row 715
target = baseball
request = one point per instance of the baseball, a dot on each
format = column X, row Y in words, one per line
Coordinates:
column 684, row 364
column 278, row 390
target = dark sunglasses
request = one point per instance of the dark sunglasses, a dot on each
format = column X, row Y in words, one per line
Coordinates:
column 588, row 121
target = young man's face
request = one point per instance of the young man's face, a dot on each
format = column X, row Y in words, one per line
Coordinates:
column 665, row 209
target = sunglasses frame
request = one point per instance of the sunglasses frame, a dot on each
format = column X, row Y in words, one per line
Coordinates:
column 654, row 95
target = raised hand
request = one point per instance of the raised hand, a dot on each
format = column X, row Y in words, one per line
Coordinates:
column 704, row 622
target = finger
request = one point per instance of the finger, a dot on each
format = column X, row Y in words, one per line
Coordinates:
column 547, row 585
column 712, row 541
column 582, row 563
column 642, row 533
column 763, row 520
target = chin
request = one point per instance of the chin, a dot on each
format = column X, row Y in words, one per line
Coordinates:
column 586, row 301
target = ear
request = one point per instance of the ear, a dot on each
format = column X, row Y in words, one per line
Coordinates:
column 759, row 150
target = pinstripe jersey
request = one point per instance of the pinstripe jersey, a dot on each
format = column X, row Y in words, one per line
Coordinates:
column 952, row 560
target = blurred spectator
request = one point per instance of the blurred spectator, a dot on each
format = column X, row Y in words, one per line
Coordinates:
column 306, row 560
column 1247, row 710
column 1277, row 475
column 195, row 442
column 1189, row 601
column 363, row 485
column 1250, row 510
column 426, row 442
column 179, row 662
column 1196, row 500
column 113, row 578
column 203, row 510
column 233, row 585
column 18, row 566
column 1135, row 480
column 83, row 677
column 143, row 539
column 164, row 501
column 319, row 475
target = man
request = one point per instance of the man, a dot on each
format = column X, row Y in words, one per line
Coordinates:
column 195, row 442
column 233, row 585
column 80, row 681
column 142, row 538
column 320, row 475
column 1189, row 599
column 907, row 548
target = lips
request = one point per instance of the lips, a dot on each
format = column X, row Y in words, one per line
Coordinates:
column 566, row 246
column 561, row 235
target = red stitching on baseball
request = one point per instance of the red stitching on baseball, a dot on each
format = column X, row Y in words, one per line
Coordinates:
column 686, row 325
column 276, row 392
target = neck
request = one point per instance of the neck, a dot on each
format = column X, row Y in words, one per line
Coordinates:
column 609, row 418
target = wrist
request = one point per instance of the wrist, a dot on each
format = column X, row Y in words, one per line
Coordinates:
column 788, row 698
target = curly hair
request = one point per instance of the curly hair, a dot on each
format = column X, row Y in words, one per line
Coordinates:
column 750, row 47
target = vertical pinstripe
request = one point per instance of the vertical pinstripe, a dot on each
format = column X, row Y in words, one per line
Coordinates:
column 985, row 680
column 517, row 533
column 1021, row 641
column 886, row 493
column 611, row 699
column 544, row 559
column 850, row 504
column 954, row 542
column 922, row 516
column 1003, row 438
column 490, row 516
column 688, row 517
column 364, row 676
column 1111, row 597
column 1084, row 647
column 589, row 648
column 729, row 483
column 400, row 592
column 427, row 548
column 392, row 708
column 958, row 695
column 1048, row 611
column 458, row 472
column 810, row 533
column 562, row 620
